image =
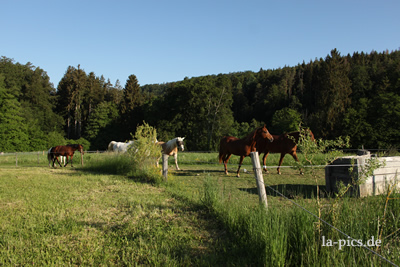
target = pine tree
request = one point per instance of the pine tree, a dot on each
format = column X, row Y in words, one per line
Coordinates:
column 131, row 106
column 132, row 96
column 334, row 93
column 71, row 91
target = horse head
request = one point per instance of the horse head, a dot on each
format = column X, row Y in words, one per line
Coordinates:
column 264, row 133
column 80, row 148
column 179, row 142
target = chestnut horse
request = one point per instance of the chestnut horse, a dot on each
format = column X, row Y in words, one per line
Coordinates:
column 170, row 148
column 284, row 144
column 67, row 151
column 241, row 147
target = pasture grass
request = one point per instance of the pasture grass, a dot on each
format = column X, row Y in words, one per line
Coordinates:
column 68, row 216
column 90, row 216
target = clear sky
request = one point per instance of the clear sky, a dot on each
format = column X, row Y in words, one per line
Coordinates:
column 165, row 41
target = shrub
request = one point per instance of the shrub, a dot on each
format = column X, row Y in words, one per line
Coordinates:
column 144, row 153
column 139, row 162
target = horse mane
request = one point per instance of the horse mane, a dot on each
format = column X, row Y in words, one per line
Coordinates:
column 250, row 136
column 170, row 145
column 76, row 146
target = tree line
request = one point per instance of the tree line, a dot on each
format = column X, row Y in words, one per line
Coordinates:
column 355, row 95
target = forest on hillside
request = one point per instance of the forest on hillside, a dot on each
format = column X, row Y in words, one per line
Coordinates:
column 354, row 95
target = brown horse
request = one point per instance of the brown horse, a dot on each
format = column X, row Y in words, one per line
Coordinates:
column 66, row 151
column 284, row 144
column 241, row 147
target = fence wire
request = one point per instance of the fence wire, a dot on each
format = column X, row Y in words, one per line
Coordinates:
column 22, row 159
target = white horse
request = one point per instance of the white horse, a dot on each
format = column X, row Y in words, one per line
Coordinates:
column 171, row 148
column 119, row 146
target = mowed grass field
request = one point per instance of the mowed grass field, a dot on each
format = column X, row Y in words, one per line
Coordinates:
column 76, row 216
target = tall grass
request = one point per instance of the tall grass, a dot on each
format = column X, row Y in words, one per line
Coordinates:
column 138, row 162
column 109, row 163
column 290, row 236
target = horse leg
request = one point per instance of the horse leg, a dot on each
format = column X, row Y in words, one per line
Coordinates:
column 227, row 157
column 294, row 155
column 67, row 161
column 240, row 164
column 264, row 162
column 70, row 157
column 54, row 161
column 176, row 161
column 280, row 163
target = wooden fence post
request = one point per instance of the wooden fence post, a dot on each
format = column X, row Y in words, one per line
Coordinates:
column 16, row 159
column 259, row 178
column 165, row 166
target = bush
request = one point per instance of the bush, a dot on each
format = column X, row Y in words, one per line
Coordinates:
column 139, row 162
column 144, row 153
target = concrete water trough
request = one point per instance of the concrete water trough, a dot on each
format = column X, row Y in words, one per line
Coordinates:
column 375, row 184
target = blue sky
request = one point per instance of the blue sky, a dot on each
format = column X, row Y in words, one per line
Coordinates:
column 166, row 41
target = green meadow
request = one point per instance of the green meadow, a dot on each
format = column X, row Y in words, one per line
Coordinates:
column 105, row 214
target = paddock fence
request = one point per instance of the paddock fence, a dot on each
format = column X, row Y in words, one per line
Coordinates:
column 39, row 158
column 335, row 172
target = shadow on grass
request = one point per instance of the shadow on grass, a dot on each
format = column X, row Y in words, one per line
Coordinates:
column 193, row 172
column 292, row 191
column 208, row 245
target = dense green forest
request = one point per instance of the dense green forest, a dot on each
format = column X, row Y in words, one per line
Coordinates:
column 356, row 95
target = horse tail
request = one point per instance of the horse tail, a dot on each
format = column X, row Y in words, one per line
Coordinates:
column 50, row 155
column 162, row 145
column 221, row 149
column 111, row 146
